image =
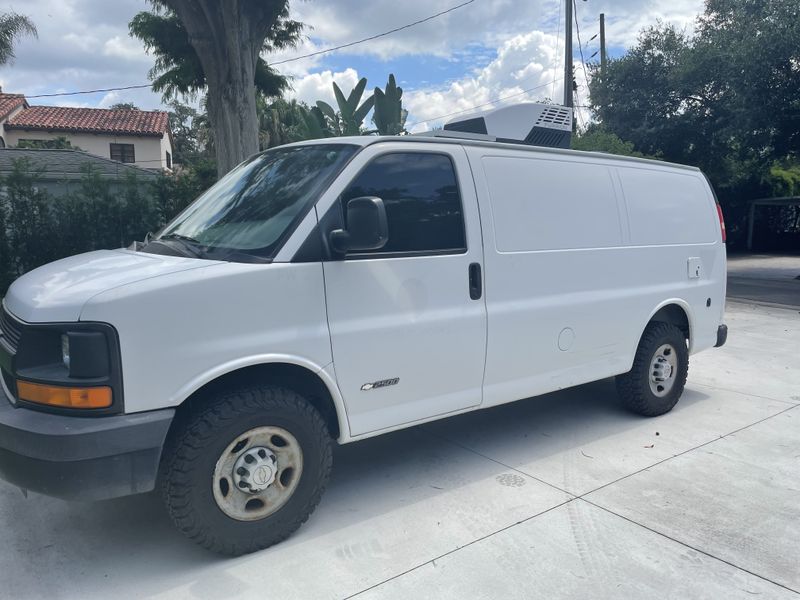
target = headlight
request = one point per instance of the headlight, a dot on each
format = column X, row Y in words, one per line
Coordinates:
column 85, row 353
column 69, row 366
column 65, row 350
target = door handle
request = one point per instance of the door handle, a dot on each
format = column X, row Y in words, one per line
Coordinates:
column 475, row 281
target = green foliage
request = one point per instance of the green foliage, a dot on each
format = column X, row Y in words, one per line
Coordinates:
column 283, row 122
column 124, row 106
column 178, row 71
column 57, row 143
column 351, row 110
column 389, row 116
column 726, row 99
column 12, row 27
column 191, row 137
column 784, row 179
column 598, row 139
column 37, row 227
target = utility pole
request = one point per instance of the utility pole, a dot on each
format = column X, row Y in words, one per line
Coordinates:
column 603, row 43
column 568, row 54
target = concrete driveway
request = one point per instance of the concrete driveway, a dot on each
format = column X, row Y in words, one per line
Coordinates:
column 563, row 496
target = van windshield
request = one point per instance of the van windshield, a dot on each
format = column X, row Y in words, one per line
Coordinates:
column 248, row 212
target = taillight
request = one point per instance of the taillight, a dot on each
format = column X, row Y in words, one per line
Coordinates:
column 722, row 223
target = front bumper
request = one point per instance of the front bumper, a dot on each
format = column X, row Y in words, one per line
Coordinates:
column 77, row 458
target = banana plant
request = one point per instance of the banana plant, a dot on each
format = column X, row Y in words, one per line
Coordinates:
column 352, row 111
column 328, row 118
column 317, row 125
column 389, row 116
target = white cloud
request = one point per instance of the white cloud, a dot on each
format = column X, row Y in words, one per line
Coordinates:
column 319, row 86
column 525, row 62
column 109, row 99
column 86, row 43
column 124, row 47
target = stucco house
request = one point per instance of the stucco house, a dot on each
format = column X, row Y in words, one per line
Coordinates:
column 137, row 137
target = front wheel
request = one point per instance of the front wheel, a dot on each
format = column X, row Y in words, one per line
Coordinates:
column 246, row 469
column 655, row 382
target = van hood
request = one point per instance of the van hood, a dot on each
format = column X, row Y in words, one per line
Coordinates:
column 58, row 291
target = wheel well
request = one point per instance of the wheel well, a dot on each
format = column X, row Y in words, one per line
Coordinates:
column 297, row 378
column 675, row 315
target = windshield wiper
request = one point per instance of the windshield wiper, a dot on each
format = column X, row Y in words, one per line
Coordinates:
column 194, row 246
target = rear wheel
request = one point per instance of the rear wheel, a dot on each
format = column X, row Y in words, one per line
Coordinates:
column 655, row 382
column 246, row 469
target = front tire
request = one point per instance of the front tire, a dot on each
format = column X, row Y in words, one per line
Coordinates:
column 655, row 382
column 245, row 469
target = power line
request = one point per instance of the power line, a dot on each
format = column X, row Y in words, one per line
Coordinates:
column 280, row 62
column 555, row 51
column 113, row 89
column 458, row 112
column 373, row 37
column 580, row 44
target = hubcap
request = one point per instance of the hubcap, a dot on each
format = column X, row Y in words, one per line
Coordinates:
column 662, row 370
column 254, row 470
column 257, row 473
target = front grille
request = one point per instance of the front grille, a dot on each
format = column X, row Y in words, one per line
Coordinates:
column 10, row 329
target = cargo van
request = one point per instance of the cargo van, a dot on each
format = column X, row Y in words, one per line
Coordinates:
column 329, row 291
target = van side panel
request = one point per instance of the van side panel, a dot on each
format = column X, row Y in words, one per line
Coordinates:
column 559, row 217
column 667, row 207
column 670, row 209
column 568, row 293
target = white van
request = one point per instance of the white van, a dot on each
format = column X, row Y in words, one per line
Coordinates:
column 333, row 290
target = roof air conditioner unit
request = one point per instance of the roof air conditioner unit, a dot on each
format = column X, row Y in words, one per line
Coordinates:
column 527, row 123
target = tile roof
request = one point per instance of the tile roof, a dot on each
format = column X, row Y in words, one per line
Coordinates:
column 55, row 165
column 91, row 120
column 9, row 102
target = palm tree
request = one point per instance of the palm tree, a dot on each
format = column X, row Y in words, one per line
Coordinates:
column 12, row 26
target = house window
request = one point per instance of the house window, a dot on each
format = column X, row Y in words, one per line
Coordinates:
column 123, row 153
column 169, row 160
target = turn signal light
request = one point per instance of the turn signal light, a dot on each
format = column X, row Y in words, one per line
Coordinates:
column 66, row 397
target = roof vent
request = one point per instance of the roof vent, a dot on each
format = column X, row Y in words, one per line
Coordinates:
column 527, row 123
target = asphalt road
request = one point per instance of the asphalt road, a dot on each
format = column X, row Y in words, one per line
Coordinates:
column 767, row 279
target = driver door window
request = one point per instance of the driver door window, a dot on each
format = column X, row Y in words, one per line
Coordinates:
column 422, row 199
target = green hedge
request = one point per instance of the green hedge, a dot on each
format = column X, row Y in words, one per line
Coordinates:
column 37, row 227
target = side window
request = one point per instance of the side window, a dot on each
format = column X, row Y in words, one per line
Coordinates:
column 123, row 153
column 423, row 204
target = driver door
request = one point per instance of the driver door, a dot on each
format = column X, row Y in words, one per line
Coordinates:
column 408, row 329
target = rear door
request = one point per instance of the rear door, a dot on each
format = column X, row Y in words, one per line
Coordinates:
column 408, row 336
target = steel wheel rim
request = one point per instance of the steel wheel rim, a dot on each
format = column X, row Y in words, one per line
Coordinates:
column 273, row 482
column 663, row 369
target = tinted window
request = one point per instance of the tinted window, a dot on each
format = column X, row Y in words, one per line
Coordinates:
column 423, row 204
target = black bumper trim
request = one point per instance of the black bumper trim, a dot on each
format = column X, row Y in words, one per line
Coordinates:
column 76, row 458
column 722, row 336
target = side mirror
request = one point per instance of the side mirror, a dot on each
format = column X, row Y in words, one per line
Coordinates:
column 367, row 227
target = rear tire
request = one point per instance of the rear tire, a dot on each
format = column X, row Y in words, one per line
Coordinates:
column 655, row 382
column 208, row 491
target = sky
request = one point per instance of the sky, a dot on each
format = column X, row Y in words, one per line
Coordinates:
column 472, row 56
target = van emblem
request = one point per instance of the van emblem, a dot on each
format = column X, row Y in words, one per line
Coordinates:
column 379, row 384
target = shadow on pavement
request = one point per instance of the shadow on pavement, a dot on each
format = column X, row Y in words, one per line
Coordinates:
column 131, row 542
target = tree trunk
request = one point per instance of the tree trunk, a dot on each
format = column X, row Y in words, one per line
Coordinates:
column 227, row 36
column 231, row 107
